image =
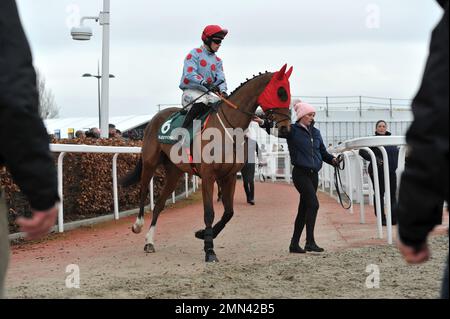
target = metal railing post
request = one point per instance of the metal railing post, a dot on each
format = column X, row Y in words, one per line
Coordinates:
column 362, row 217
column 349, row 184
column 115, row 191
column 287, row 168
column 377, row 190
column 387, row 194
column 60, row 191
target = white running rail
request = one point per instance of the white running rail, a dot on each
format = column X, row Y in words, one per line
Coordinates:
column 355, row 174
column 63, row 149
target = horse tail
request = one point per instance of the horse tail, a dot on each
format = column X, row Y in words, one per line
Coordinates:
column 134, row 177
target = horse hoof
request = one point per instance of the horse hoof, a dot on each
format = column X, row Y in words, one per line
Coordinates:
column 136, row 230
column 200, row 234
column 149, row 249
column 211, row 257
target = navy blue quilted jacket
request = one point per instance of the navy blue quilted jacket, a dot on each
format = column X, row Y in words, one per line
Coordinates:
column 306, row 148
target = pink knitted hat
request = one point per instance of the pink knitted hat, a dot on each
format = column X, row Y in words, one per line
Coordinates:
column 303, row 108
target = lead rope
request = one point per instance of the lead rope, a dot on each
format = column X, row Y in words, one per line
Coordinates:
column 338, row 181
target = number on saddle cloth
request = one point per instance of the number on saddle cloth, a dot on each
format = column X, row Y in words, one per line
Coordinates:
column 168, row 133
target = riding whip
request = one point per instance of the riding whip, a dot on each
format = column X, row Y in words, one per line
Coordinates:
column 208, row 91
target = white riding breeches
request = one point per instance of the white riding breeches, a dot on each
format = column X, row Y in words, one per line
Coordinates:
column 190, row 95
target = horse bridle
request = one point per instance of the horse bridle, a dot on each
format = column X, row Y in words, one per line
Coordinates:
column 269, row 116
column 271, row 112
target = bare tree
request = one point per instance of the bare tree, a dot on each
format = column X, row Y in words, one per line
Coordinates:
column 47, row 105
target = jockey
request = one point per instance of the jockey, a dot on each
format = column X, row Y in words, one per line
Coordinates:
column 203, row 73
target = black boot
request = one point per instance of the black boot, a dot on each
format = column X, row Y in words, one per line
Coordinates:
column 296, row 249
column 313, row 247
column 196, row 110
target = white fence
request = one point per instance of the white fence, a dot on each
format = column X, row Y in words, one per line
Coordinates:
column 63, row 149
column 355, row 178
column 275, row 165
column 333, row 132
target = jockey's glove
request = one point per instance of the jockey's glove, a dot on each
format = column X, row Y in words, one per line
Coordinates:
column 211, row 87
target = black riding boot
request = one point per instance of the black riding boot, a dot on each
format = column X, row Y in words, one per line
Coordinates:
column 310, row 241
column 196, row 110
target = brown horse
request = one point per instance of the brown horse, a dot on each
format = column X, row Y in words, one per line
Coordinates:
column 271, row 91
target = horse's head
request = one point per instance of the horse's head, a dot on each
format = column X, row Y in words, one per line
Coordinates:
column 276, row 100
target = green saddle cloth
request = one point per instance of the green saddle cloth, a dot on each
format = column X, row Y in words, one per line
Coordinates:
column 166, row 134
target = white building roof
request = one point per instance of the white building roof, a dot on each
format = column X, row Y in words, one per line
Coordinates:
column 122, row 123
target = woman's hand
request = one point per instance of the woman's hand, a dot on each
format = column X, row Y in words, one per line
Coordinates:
column 335, row 162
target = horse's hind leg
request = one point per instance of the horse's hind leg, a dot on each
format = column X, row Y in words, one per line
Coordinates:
column 228, row 187
column 147, row 174
column 173, row 174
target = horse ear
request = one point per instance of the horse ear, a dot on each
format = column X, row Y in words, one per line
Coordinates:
column 289, row 73
column 282, row 72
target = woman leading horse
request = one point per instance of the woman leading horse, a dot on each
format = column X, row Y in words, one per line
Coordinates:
column 271, row 91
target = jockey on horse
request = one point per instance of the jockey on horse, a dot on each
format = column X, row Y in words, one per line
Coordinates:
column 203, row 74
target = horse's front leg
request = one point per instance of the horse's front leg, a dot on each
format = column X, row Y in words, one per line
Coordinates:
column 228, row 189
column 207, row 191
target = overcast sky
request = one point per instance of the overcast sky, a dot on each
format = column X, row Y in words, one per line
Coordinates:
column 346, row 47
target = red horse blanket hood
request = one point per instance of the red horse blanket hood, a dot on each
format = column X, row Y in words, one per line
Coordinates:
column 277, row 93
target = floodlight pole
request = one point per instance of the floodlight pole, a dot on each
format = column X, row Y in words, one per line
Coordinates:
column 104, row 112
column 104, row 20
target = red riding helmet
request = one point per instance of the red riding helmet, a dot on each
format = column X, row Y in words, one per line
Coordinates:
column 211, row 30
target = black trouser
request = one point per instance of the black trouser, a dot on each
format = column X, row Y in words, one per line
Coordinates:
column 306, row 182
column 248, row 177
column 393, row 187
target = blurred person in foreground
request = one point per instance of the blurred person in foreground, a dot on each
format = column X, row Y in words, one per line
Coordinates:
column 424, row 183
column 24, row 147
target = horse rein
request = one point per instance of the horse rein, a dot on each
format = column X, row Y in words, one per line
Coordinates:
column 234, row 106
column 273, row 112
